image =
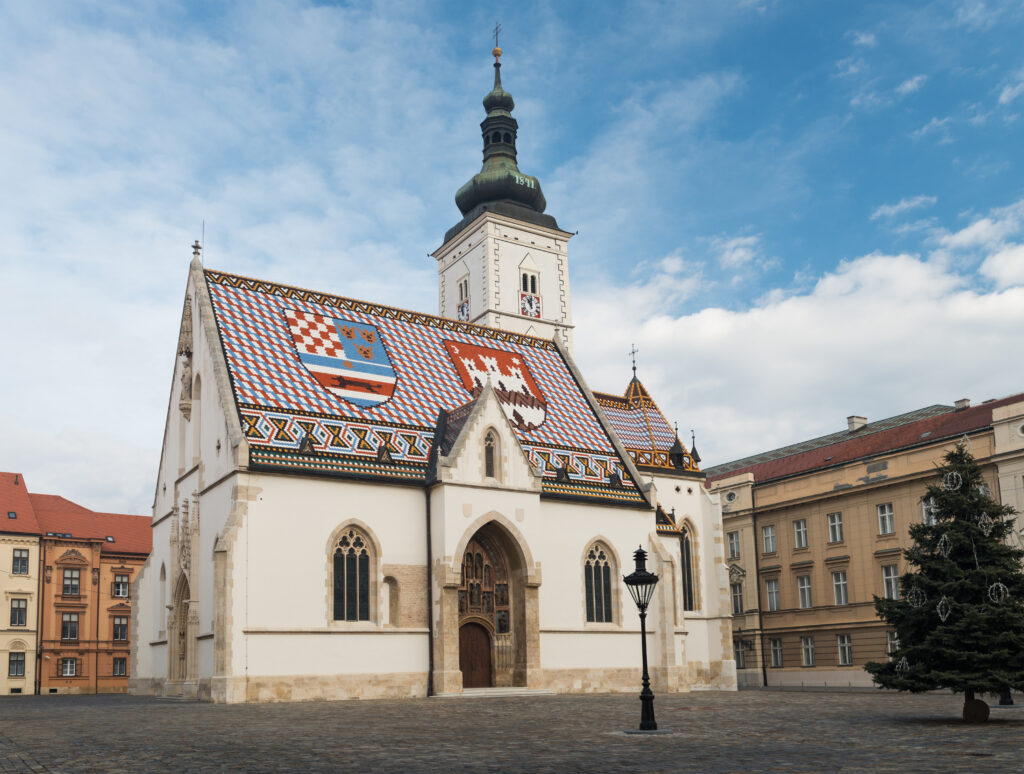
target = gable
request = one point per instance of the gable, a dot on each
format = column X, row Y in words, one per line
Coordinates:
column 349, row 377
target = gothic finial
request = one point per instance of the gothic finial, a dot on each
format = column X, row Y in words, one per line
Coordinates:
column 632, row 354
column 196, row 248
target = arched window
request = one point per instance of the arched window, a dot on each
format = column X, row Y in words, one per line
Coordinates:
column 597, row 578
column 686, row 565
column 197, row 418
column 352, row 577
column 490, row 455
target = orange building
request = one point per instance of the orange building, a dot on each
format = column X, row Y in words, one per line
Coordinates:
column 88, row 562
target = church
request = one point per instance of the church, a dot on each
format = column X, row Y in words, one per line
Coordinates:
column 359, row 501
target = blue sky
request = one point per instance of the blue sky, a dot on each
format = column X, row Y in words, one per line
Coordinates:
column 797, row 210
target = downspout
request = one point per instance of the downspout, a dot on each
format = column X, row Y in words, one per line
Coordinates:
column 96, row 642
column 429, row 480
column 757, row 580
column 39, row 619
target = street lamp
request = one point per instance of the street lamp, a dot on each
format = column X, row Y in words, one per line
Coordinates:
column 641, row 585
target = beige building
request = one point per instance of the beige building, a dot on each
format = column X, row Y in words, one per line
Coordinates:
column 815, row 529
column 19, row 587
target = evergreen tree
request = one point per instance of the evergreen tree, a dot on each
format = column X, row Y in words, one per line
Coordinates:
column 960, row 619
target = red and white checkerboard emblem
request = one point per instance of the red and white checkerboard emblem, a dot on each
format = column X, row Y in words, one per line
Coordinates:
column 520, row 397
column 345, row 357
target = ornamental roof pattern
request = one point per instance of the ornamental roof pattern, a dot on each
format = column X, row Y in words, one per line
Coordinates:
column 352, row 376
column 642, row 428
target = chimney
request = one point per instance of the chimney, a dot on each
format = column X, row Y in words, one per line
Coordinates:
column 963, row 403
column 856, row 423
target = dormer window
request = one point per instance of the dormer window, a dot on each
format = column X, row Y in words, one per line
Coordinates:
column 463, row 309
column 12, row 515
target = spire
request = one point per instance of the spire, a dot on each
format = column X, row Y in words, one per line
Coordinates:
column 693, row 446
column 499, row 186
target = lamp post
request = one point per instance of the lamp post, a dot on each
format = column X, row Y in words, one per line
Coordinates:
column 641, row 585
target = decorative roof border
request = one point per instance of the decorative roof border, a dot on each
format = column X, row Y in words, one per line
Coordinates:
column 387, row 312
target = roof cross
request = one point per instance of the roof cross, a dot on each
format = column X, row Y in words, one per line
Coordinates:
column 632, row 354
column 196, row 248
column 497, row 30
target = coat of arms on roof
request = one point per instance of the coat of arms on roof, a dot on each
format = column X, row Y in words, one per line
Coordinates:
column 520, row 397
column 345, row 357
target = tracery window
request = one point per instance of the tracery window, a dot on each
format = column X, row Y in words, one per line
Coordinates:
column 490, row 455
column 352, row 577
column 597, row 578
column 686, row 566
column 484, row 587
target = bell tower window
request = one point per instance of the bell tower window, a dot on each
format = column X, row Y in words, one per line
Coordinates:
column 463, row 309
column 529, row 300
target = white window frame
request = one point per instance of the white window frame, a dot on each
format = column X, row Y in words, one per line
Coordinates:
column 891, row 581
column 768, row 538
column 69, row 667
column 736, row 592
column 121, row 586
column 886, row 519
column 734, row 545
column 800, row 533
column 775, row 652
column 844, row 644
column 840, row 591
column 739, row 654
column 771, row 592
column 803, row 590
column 835, row 527
column 807, row 651
column 928, row 509
column 124, row 667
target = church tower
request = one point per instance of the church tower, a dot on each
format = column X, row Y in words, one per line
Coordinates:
column 505, row 264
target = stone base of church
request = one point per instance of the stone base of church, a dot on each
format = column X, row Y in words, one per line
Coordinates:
column 592, row 680
column 394, row 685
column 714, row 676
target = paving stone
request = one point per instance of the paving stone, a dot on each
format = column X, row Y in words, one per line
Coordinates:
column 749, row 731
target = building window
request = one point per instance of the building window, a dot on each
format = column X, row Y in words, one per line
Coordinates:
column 835, row 528
column 490, row 455
column 69, row 626
column 892, row 644
column 352, row 578
column 16, row 665
column 768, row 535
column 72, row 585
column 529, row 282
column 928, row 511
column 121, row 628
column 739, row 654
column 771, row 588
column 800, row 533
column 19, row 608
column 839, row 587
column 803, row 586
column 121, row 586
column 886, row 521
column 68, row 667
column 737, row 598
column 19, row 566
column 890, row 582
column 463, row 308
column 120, row 667
column 775, row 651
column 597, row 577
column 807, row 651
column 845, row 645
column 686, row 565
column 12, row 514
column 734, row 545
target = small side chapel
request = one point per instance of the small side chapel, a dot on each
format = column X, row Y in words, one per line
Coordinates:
column 354, row 500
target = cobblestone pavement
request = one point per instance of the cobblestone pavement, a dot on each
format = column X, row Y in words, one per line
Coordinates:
column 712, row 732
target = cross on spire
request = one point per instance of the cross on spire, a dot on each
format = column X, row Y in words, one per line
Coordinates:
column 632, row 354
column 497, row 30
column 196, row 247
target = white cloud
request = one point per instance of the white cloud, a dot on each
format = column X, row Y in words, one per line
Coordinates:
column 903, row 205
column 988, row 232
column 849, row 66
column 876, row 336
column 866, row 39
column 938, row 127
column 735, row 252
column 911, row 85
column 1005, row 268
column 1012, row 90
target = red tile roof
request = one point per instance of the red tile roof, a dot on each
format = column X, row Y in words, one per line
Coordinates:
column 929, row 430
column 14, row 498
column 132, row 534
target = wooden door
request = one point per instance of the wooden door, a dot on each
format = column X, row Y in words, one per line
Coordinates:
column 475, row 656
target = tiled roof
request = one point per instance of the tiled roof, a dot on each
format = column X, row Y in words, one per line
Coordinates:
column 14, row 498
column 132, row 534
column 642, row 427
column 353, row 376
column 925, row 425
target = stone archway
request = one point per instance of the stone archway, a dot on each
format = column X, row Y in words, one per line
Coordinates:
column 182, row 662
column 500, row 598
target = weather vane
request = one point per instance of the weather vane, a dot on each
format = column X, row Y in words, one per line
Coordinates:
column 632, row 354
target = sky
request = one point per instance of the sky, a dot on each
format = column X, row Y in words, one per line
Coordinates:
column 797, row 211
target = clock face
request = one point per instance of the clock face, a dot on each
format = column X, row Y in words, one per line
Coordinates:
column 529, row 305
